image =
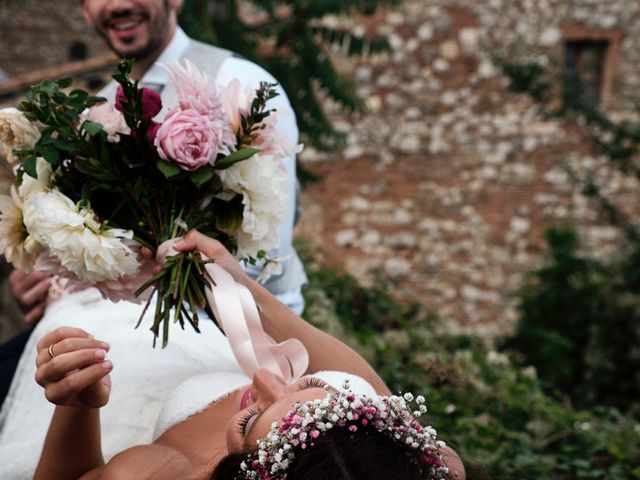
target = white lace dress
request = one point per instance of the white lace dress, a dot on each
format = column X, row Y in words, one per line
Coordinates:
column 142, row 377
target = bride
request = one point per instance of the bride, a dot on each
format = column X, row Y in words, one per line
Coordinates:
column 338, row 421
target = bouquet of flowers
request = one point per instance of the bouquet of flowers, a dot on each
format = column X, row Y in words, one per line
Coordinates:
column 96, row 182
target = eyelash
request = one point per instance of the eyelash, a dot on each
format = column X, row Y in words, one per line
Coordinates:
column 304, row 384
column 311, row 382
column 242, row 424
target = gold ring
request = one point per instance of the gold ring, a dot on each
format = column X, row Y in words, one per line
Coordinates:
column 50, row 350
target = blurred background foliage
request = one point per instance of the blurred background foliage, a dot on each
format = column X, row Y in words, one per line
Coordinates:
column 580, row 316
column 496, row 413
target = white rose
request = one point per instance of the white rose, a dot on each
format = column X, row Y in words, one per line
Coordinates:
column 112, row 121
column 32, row 185
column 76, row 238
column 16, row 132
column 261, row 182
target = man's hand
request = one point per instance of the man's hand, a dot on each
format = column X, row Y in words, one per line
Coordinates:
column 30, row 291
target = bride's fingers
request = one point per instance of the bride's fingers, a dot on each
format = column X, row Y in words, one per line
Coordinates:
column 67, row 345
column 60, row 334
column 63, row 392
column 194, row 240
column 62, row 365
column 146, row 254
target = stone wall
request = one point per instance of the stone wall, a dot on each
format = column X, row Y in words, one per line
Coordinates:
column 38, row 34
column 449, row 181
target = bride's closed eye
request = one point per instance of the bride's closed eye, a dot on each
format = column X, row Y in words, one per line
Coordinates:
column 252, row 414
column 310, row 382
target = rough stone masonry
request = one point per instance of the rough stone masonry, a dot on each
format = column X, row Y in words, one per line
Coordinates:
column 448, row 180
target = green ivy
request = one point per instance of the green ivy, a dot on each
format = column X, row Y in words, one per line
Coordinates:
column 493, row 412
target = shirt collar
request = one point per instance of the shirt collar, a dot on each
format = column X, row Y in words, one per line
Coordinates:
column 178, row 44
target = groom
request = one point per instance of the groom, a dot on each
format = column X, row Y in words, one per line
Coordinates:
column 147, row 31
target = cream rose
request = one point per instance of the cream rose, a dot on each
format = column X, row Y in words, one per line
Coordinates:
column 16, row 132
column 14, row 239
column 260, row 181
column 32, row 185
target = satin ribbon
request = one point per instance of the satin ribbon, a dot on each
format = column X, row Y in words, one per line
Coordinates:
column 237, row 314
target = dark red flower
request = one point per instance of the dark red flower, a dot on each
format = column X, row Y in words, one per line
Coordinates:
column 151, row 102
column 152, row 131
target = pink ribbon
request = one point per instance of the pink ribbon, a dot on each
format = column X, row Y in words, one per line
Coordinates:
column 237, row 314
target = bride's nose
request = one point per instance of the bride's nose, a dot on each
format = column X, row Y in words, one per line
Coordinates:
column 267, row 387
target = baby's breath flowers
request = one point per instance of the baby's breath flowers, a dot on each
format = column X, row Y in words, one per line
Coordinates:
column 394, row 416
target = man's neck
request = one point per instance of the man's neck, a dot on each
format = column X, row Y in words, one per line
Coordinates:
column 141, row 65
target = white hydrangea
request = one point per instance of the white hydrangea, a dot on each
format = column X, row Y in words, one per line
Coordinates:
column 261, row 182
column 76, row 238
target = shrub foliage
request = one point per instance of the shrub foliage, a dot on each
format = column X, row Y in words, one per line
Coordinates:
column 494, row 413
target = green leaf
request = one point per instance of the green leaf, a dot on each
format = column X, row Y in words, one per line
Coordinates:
column 63, row 144
column 168, row 169
column 50, row 153
column 91, row 101
column 201, row 176
column 235, row 157
column 92, row 128
column 47, row 87
column 29, row 166
column 137, row 188
column 65, row 82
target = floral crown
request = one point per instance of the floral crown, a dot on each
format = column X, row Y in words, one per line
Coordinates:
column 391, row 416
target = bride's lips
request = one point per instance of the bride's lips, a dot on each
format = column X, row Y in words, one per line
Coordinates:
column 246, row 396
column 125, row 27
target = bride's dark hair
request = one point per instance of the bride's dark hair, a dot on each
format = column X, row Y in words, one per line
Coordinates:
column 342, row 455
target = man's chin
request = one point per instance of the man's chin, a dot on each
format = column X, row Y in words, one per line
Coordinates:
column 131, row 51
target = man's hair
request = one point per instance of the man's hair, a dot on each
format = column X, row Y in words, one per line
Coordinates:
column 339, row 454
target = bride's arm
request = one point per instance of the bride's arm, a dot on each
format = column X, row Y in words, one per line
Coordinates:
column 325, row 352
column 76, row 379
column 72, row 446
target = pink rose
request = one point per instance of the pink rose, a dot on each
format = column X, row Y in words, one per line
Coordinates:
column 187, row 138
column 151, row 102
column 112, row 121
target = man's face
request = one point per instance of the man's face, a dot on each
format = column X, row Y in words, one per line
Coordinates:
column 135, row 29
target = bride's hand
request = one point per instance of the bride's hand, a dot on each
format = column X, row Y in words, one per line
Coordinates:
column 214, row 250
column 72, row 369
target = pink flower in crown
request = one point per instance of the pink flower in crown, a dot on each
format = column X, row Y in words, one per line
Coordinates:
column 151, row 102
column 186, row 138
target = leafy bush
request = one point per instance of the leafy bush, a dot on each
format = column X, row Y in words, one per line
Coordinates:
column 495, row 414
column 580, row 324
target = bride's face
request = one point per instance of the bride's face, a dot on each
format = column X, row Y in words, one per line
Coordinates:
column 271, row 399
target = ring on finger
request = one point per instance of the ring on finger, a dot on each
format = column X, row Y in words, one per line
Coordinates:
column 50, row 350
